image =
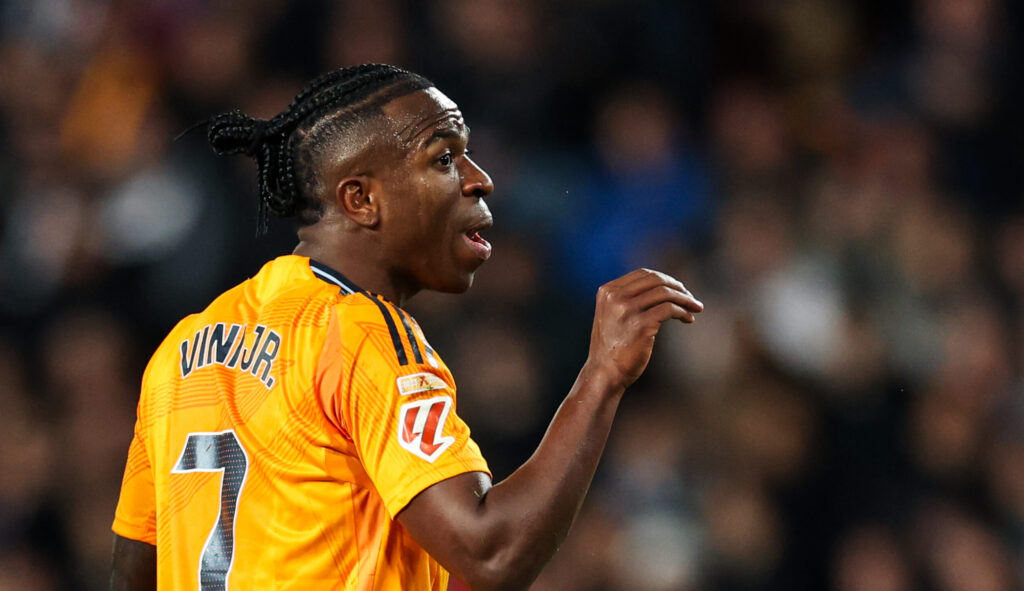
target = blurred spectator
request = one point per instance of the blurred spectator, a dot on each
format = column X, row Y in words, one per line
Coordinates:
column 20, row 570
column 27, row 454
column 961, row 553
column 87, row 363
column 648, row 193
column 746, row 536
column 871, row 558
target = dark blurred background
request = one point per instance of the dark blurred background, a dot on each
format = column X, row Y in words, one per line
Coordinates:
column 838, row 181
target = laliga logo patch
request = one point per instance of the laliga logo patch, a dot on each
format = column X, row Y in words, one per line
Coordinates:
column 419, row 382
column 420, row 425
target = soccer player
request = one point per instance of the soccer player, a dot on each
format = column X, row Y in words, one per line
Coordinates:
column 300, row 433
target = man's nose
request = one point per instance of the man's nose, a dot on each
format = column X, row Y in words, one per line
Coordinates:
column 475, row 181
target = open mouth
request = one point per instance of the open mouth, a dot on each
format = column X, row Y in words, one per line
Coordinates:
column 476, row 242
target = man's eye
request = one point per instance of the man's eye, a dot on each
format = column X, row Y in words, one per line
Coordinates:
column 446, row 160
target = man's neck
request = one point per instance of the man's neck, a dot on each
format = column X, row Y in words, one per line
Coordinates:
column 355, row 261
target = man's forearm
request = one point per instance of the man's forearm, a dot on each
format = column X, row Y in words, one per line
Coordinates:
column 500, row 537
column 535, row 507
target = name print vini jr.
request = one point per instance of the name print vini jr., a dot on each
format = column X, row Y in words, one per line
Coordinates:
column 223, row 345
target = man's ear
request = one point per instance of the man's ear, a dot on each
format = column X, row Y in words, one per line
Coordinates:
column 357, row 201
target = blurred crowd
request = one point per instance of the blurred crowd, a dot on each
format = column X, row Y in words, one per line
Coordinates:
column 837, row 180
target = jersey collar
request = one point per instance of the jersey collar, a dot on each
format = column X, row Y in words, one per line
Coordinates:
column 331, row 276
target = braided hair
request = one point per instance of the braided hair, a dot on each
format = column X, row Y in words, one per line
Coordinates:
column 286, row 146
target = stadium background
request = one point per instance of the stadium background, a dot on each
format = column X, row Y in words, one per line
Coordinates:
column 838, row 181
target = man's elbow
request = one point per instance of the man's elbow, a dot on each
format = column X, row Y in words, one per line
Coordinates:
column 508, row 569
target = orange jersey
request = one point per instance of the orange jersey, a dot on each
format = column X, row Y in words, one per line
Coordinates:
column 279, row 433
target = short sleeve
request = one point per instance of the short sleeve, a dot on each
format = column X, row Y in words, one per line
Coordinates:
column 135, row 517
column 399, row 408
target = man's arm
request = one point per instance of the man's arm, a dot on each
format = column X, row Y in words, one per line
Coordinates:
column 134, row 566
column 501, row 536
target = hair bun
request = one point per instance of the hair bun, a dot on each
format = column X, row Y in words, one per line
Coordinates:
column 235, row 132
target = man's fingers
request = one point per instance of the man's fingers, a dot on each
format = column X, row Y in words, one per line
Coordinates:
column 628, row 278
column 654, row 295
column 668, row 310
column 644, row 279
column 664, row 293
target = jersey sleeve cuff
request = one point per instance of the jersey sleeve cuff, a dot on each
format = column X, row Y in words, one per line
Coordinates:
column 419, row 482
column 131, row 531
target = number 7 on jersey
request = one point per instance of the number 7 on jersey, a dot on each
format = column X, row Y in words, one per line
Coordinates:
column 217, row 452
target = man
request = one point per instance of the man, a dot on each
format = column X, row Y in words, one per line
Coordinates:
column 300, row 433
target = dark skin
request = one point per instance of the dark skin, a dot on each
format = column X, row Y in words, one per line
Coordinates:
column 400, row 206
column 398, row 220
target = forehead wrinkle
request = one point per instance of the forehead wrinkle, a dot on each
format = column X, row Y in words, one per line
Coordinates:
column 432, row 120
column 444, row 128
column 406, row 128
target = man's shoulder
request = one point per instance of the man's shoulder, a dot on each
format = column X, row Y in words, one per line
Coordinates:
column 284, row 294
column 284, row 286
column 376, row 327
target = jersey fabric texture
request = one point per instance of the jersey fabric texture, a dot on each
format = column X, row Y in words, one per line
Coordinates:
column 279, row 433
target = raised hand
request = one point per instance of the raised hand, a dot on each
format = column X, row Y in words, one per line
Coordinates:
column 630, row 311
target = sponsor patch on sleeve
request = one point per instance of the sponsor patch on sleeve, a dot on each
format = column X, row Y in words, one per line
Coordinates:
column 419, row 382
column 421, row 427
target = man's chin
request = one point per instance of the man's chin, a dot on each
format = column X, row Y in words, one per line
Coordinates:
column 459, row 284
